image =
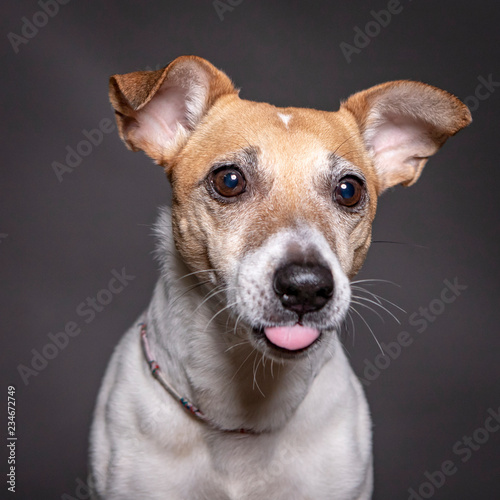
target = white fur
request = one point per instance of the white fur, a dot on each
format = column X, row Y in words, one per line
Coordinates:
column 251, row 287
column 285, row 118
column 314, row 431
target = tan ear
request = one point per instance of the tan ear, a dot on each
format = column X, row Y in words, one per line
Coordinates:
column 402, row 124
column 157, row 110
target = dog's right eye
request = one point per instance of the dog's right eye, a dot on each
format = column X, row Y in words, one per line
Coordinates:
column 228, row 182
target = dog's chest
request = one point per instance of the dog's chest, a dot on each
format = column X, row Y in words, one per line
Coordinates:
column 241, row 467
column 230, row 477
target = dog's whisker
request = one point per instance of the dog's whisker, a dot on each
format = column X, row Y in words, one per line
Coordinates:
column 229, row 318
column 364, row 290
column 374, row 280
column 309, row 358
column 391, row 303
column 378, row 298
column 194, row 273
column 263, row 362
column 228, row 306
column 236, row 323
column 216, row 290
column 343, row 155
column 349, row 315
column 240, row 367
column 254, row 369
column 211, row 294
column 380, row 306
column 219, row 289
column 368, row 326
column 342, row 143
column 237, row 345
column 191, row 288
column 293, row 368
column 400, row 243
column 369, row 308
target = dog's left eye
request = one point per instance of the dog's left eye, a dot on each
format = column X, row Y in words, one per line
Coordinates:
column 349, row 191
column 228, row 182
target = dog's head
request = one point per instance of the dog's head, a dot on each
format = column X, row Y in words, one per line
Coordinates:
column 276, row 204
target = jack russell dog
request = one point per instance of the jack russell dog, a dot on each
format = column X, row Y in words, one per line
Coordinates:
column 233, row 384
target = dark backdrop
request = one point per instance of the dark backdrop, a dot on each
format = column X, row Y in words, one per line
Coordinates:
column 60, row 238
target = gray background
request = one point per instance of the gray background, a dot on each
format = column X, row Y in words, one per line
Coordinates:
column 64, row 238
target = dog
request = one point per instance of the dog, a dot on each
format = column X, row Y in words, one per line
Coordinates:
column 233, row 384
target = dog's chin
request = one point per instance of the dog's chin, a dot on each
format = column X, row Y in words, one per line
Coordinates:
column 277, row 341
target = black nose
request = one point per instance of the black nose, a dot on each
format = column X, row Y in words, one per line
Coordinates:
column 303, row 288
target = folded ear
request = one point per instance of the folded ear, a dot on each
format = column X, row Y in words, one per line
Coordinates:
column 157, row 110
column 402, row 124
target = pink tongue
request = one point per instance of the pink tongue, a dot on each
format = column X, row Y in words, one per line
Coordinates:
column 291, row 337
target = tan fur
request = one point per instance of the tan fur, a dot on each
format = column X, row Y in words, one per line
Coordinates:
column 292, row 160
column 292, row 156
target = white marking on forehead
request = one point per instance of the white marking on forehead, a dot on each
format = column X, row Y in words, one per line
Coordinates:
column 285, row 118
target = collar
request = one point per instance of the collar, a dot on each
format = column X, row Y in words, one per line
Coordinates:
column 192, row 409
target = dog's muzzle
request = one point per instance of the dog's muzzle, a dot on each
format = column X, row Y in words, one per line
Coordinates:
column 291, row 291
column 301, row 288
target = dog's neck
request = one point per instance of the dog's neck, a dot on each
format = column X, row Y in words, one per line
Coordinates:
column 210, row 362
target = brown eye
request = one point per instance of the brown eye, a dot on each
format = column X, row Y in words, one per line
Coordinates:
column 348, row 191
column 228, row 182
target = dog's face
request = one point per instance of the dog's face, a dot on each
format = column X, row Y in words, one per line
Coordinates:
column 276, row 205
column 280, row 208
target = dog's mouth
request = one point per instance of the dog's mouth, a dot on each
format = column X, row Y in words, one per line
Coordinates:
column 289, row 339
